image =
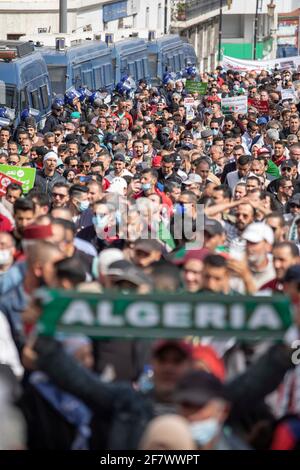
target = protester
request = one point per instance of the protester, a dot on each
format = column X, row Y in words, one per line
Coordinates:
column 132, row 194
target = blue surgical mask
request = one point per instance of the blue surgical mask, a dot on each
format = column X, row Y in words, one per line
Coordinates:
column 146, row 186
column 204, row 431
column 215, row 131
column 179, row 209
column 83, row 206
column 100, row 221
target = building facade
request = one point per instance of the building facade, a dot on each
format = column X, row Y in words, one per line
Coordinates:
column 198, row 22
column 238, row 27
column 119, row 18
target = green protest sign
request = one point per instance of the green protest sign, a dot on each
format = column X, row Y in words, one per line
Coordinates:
column 196, row 87
column 163, row 315
column 20, row 173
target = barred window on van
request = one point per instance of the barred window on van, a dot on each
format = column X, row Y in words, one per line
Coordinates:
column 45, row 96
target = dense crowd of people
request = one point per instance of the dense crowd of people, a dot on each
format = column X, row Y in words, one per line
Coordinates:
column 153, row 189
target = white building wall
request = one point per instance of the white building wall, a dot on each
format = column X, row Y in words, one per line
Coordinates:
column 26, row 16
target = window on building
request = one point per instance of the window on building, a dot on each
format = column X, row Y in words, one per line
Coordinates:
column 14, row 37
column 147, row 18
column 134, row 21
column 233, row 26
column 159, row 17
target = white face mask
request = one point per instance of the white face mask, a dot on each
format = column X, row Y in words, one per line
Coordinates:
column 203, row 432
column 5, row 257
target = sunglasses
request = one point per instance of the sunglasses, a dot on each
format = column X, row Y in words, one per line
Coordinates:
column 293, row 205
column 287, row 168
column 61, row 196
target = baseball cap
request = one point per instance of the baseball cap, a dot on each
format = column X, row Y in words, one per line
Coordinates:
column 186, row 146
column 180, row 345
column 188, row 135
column 257, row 232
column 196, row 254
column 123, row 270
column 261, row 121
column 107, row 257
column 213, row 227
column 119, row 157
column 206, row 133
column 198, row 387
column 263, row 151
column 156, row 161
column 295, row 199
column 193, row 178
column 148, row 245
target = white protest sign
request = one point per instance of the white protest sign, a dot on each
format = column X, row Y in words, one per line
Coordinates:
column 288, row 94
column 189, row 108
column 235, row 104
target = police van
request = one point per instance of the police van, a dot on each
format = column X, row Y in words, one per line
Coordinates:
column 87, row 64
column 169, row 54
column 24, row 81
column 130, row 57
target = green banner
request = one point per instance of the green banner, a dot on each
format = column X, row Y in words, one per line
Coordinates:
column 23, row 174
column 196, row 87
column 158, row 315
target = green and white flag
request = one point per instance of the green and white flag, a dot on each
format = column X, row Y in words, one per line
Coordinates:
column 158, row 315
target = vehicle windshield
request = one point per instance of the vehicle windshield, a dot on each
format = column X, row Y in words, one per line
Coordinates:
column 8, row 95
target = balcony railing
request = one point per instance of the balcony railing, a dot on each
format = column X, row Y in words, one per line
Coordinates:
column 188, row 9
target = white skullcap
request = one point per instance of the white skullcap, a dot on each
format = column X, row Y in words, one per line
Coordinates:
column 50, row 154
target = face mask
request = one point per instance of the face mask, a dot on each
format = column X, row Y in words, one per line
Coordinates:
column 5, row 257
column 146, row 148
column 208, row 144
column 204, row 431
column 100, row 222
column 215, row 131
column 83, row 206
column 146, row 186
column 179, row 209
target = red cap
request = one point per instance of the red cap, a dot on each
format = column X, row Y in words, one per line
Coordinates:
column 38, row 232
column 196, row 254
column 205, row 357
column 263, row 151
column 156, row 161
column 181, row 345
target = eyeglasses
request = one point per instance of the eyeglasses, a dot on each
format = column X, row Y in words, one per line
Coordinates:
column 286, row 169
column 287, row 187
column 74, row 166
column 61, row 196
